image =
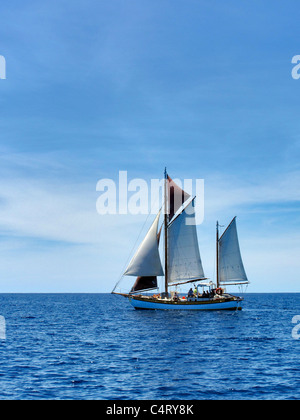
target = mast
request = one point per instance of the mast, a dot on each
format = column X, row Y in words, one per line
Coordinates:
column 166, row 234
column 217, row 255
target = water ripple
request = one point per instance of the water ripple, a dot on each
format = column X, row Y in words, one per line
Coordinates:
column 98, row 347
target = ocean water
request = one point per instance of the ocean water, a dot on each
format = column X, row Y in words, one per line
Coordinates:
column 96, row 346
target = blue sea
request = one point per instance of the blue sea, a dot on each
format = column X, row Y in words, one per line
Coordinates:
column 96, row 346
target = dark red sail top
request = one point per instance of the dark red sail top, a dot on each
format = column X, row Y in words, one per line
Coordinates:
column 176, row 197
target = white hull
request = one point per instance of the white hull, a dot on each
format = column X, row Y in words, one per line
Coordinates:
column 235, row 304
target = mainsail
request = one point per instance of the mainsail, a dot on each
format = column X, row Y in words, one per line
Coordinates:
column 184, row 262
column 146, row 261
column 231, row 267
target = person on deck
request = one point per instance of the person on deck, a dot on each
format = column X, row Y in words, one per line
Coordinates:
column 190, row 293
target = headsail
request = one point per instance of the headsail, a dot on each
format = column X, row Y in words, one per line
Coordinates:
column 146, row 283
column 146, row 261
column 231, row 267
column 184, row 261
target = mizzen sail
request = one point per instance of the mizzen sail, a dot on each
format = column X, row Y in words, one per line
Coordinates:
column 231, row 267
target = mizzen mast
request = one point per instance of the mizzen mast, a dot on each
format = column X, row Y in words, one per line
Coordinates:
column 217, row 255
column 166, row 231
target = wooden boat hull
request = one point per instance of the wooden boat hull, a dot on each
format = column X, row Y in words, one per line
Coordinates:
column 205, row 305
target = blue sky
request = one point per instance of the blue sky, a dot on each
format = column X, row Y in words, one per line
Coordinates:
column 95, row 87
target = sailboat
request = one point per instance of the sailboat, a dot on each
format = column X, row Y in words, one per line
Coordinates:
column 182, row 262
